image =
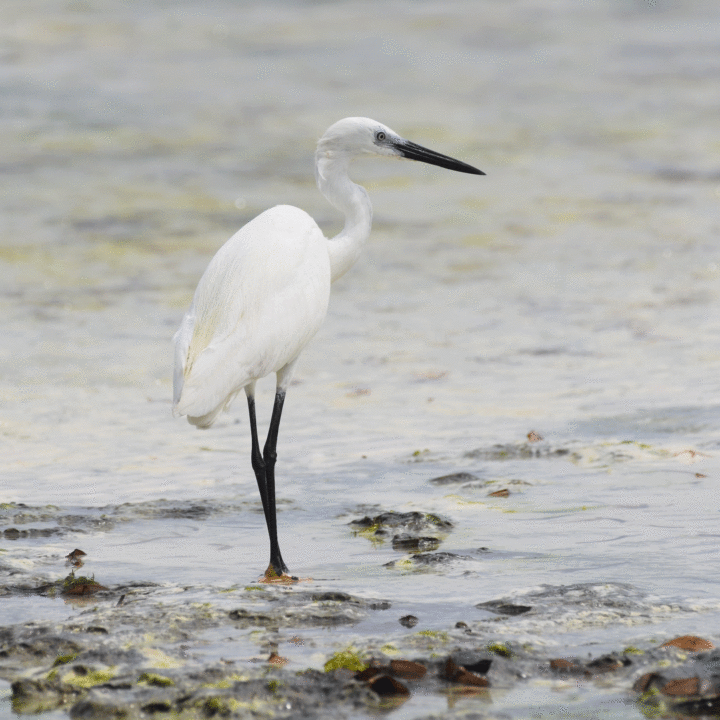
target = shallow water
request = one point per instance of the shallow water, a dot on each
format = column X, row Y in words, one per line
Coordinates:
column 572, row 292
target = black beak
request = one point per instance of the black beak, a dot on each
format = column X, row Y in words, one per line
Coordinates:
column 417, row 152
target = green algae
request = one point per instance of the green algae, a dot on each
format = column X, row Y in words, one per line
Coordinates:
column 348, row 659
column 84, row 678
column 151, row 678
column 64, row 659
column 436, row 634
column 500, row 649
column 632, row 650
column 222, row 706
column 81, row 585
column 226, row 682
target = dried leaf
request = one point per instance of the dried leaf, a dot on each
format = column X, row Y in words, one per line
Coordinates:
column 689, row 642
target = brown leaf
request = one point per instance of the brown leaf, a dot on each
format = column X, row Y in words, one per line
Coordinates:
column 500, row 493
column 682, row 686
column 465, row 677
column 568, row 667
column 457, row 673
column 407, row 669
column 689, row 642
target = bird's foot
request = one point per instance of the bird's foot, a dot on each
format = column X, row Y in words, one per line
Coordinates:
column 273, row 576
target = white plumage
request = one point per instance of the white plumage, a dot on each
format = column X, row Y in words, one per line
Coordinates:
column 265, row 294
column 261, row 299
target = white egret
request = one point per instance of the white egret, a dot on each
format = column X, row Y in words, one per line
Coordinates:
column 265, row 294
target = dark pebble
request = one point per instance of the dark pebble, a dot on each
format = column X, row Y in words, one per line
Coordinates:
column 409, row 543
column 438, row 558
column 408, row 621
column 503, row 608
column 409, row 521
column 386, row 686
column 454, row 479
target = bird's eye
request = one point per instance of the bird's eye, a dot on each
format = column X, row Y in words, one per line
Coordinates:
column 380, row 135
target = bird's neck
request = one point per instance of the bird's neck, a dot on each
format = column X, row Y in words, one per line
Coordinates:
column 331, row 173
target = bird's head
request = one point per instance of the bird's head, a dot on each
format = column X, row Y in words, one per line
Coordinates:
column 354, row 136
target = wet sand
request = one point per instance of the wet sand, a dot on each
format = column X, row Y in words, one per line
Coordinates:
column 133, row 652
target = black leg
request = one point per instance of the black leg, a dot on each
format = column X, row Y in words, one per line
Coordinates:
column 258, row 464
column 264, row 467
column 270, row 456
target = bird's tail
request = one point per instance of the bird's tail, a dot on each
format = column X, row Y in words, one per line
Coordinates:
column 205, row 421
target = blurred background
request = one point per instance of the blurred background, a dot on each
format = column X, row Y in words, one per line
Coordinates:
column 578, row 279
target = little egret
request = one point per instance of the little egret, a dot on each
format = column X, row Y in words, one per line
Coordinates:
column 265, row 294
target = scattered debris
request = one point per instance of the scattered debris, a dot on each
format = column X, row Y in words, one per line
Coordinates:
column 520, row 451
column 471, row 675
column 500, row 493
column 689, row 642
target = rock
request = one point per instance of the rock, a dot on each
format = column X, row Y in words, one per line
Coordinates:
column 408, row 621
column 30, row 696
column 437, row 558
column 607, row 663
column 503, row 608
column 410, row 522
column 454, row 479
column 386, row 686
column 409, row 543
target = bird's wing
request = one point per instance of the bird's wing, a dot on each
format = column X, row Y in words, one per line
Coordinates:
column 261, row 299
column 182, row 340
